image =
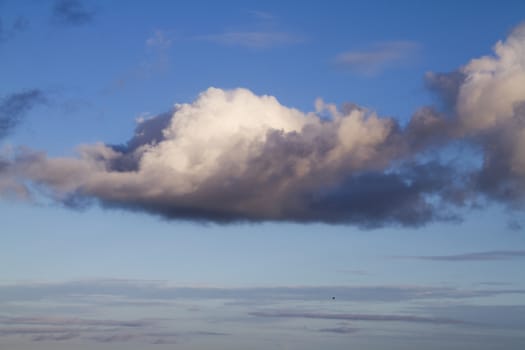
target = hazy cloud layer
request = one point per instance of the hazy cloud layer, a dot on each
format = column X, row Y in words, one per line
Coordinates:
column 72, row 12
column 234, row 156
column 355, row 317
column 78, row 311
column 145, row 293
column 54, row 329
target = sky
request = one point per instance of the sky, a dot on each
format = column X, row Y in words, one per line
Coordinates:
column 262, row 175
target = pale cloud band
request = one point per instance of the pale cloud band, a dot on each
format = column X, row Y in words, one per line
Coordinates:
column 378, row 57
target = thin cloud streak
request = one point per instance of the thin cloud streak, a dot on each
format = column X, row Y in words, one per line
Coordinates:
column 378, row 58
column 53, row 329
column 253, row 39
column 478, row 256
column 355, row 317
column 340, row 330
column 143, row 293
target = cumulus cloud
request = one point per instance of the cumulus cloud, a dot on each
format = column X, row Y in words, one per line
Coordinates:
column 232, row 155
column 235, row 156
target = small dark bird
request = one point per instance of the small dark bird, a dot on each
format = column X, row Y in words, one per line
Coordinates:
column 333, row 298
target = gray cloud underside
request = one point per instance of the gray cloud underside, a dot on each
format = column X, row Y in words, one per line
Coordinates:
column 233, row 156
column 478, row 256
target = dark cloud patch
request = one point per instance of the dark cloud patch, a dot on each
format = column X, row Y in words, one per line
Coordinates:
column 446, row 87
column 508, row 317
column 512, row 225
column 340, row 330
column 501, row 176
column 72, row 12
column 147, row 133
column 376, row 198
column 114, row 338
column 14, row 107
column 478, row 256
column 54, row 337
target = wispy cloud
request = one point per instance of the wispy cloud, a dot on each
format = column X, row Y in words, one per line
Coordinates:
column 53, row 329
column 148, row 293
column 355, row 317
column 156, row 59
column 13, row 108
column 61, row 321
column 477, row 256
column 11, row 30
column 378, row 57
column 340, row 330
column 262, row 15
column 72, row 12
column 253, row 39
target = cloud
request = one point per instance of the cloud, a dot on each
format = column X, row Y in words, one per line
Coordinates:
column 268, row 162
column 156, row 60
column 253, row 39
column 340, row 330
column 355, row 317
column 72, row 12
column 478, row 256
column 159, row 40
column 14, row 107
column 19, row 25
column 148, row 293
column 378, row 58
column 234, row 156
column 53, row 329
column 262, row 15
column 56, row 321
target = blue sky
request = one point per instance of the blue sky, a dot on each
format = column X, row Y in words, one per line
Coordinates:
column 238, row 174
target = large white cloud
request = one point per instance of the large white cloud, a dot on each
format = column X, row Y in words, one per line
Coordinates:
column 232, row 155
